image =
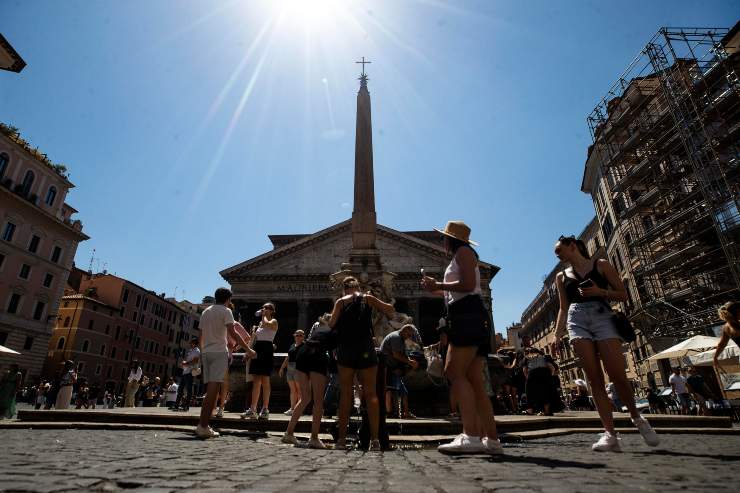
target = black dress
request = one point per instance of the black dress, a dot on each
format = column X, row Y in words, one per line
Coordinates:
column 356, row 346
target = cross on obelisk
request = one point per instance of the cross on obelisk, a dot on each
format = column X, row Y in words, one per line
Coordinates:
column 363, row 62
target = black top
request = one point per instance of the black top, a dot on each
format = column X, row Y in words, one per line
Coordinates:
column 292, row 353
column 571, row 284
column 355, row 324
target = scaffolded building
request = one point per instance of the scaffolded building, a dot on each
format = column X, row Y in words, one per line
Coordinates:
column 664, row 170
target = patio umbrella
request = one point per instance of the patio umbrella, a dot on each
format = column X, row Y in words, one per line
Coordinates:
column 706, row 358
column 693, row 345
column 7, row 350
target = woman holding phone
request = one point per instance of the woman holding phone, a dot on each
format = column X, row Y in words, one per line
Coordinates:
column 585, row 289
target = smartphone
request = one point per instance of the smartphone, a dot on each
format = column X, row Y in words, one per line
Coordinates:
column 586, row 284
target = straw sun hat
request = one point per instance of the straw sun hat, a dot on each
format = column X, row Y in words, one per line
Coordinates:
column 458, row 230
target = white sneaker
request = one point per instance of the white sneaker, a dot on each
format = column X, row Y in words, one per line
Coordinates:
column 206, row 432
column 647, row 432
column 219, row 412
column 289, row 412
column 463, row 444
column 247, row 414
column 493, row 447
column 289, row 439
column 607, row 443
column 264, row 414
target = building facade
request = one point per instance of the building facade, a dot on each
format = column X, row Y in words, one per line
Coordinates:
column 664, row 178
column 38, row 242
column 112, row 321
column 300, row 274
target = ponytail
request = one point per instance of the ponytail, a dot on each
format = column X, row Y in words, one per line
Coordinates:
column 729, row 313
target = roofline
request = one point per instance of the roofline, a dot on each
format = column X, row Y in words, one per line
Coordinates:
column 80, row 296
column 82, row 236
column 19, row 62
column 133, row 283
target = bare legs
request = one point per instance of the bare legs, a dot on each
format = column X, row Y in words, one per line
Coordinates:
column 367, row 379
column 483, row 405
column 295, row 391
column 458, row 370
column 212, row 389
column 260, row 382
column 611, row 354
column 313, row 385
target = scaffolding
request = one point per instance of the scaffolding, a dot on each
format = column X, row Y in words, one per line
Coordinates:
column 666, row 140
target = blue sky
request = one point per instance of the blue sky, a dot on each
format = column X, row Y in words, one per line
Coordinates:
column 193, row 129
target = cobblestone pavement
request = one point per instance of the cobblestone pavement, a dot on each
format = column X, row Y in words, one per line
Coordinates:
column 66, row 460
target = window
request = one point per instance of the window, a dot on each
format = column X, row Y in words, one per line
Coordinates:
column 91, row 325
column 134, row 317
column 51, row 195
column 123, row 373
column 108, row 373
column 113, row 353
column 66, row 322
column 48, row 279
column 25, row 271
column 60, row 343
column 126, row 355
column 107, row 329
column 4, row 160
column 608, row 227
column 8, row 231
column 15, row 301
column 146, row 302
column 123, row 310
column 28, row 182
column 125, row 295
column 80, row 367
column 85, row 345
column 95, row 308
column 34, row 245
column 2, row 260
column 102, row 350
column 3, row 338
column 98, row 369
column 118, row 331
column 56, row 254
column 28, row 344
column 38, row 310
column 138, row 300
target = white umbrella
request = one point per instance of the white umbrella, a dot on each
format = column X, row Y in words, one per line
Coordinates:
column 580, row 382
column 693, row 345
column 7, row 350
column 707, row 357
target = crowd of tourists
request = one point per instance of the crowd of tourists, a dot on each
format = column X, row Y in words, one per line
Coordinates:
column 336, row 366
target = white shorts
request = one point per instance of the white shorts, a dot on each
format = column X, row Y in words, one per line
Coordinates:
column 214, row 366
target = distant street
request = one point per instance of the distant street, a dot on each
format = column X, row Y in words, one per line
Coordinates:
column 66, row 460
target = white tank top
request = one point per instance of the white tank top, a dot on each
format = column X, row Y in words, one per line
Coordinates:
column 452, row 273
column 264, row 334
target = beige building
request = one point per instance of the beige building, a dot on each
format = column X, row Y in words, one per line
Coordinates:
column 38, row 242
column 111, row 321
column 663, row 176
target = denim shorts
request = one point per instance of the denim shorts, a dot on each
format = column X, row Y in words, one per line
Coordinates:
column 591, row 320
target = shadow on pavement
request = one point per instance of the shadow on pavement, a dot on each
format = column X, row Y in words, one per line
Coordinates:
column 672, row 453
column 546, row 462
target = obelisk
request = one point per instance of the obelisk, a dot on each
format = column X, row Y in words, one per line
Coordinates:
column 364, row 222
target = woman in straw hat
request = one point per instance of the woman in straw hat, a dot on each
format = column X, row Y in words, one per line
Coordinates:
column 469, row 335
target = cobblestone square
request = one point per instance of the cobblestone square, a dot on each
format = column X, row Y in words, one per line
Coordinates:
column 91, row 460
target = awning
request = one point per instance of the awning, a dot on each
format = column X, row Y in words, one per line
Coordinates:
column 691, row 346
column 707, row 357
column 7, row 350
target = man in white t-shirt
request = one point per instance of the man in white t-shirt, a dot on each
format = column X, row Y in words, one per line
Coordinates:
column 678, row 384
column 216, row 322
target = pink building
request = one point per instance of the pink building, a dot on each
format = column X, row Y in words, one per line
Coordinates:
column 38, row 241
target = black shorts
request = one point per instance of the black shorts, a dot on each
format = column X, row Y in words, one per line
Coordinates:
column 312, row 359
column 357, row 357
column 469, row 324
column 263, row 362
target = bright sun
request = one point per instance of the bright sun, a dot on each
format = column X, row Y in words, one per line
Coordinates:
column 312, row 15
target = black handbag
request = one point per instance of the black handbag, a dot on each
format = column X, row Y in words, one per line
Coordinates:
column 624, row 327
